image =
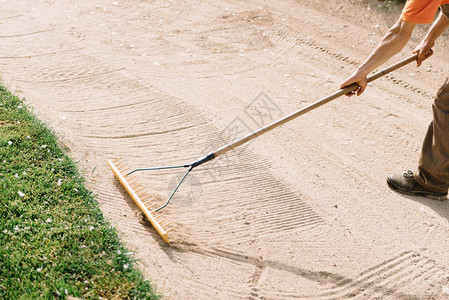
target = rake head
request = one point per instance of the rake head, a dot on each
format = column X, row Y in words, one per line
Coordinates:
column 142, row 197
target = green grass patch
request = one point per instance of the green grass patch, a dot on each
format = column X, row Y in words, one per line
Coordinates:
column 54, row 240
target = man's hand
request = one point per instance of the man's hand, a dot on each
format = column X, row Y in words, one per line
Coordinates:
column 360, row 79
column 394, row 40
column 424, row 50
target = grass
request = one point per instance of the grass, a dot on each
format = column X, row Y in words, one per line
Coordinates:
column 54, row 240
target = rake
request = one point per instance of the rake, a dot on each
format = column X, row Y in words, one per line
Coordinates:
column 148, row 203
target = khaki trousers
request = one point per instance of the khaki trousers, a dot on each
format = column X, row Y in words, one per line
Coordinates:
column 433, row 169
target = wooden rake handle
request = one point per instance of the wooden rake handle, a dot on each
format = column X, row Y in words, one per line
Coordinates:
column 300, row 112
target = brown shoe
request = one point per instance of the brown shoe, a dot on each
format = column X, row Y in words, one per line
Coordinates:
column 406, row 184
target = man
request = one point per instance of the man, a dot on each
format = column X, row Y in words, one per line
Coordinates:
column 432, row 177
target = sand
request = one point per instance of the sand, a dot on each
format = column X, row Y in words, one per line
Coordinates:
column 301, row 212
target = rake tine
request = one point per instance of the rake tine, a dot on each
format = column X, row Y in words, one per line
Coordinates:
column 160, row 215
column 135, row 185
column 133, row 181
column 120, row 164
column 139, row 190
column 151, row 206
column 146, row 198
column 168, row 230
column 124, row 169
column 123, row 172
column 164, row 219
column 131, row 178
column 142, row 194
column 165, row 225
column 146, row 201
column 150, row 202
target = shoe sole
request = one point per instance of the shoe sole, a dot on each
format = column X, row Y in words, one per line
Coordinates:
column 441, row 197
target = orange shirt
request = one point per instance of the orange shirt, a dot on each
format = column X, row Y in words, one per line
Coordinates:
column 421, row 11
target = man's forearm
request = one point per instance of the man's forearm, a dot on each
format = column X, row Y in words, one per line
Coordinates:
column 438, row 27
column 424, row 49
column 393, row 42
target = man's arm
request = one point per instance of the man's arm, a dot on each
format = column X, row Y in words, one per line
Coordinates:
column 424, row 49
column 394, row 40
